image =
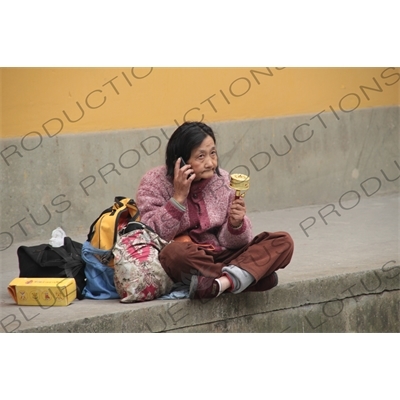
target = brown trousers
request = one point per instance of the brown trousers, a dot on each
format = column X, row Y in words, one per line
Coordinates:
column 265, row 254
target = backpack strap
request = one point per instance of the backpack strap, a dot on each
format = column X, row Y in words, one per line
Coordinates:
column 134, row 225
column 67, row 262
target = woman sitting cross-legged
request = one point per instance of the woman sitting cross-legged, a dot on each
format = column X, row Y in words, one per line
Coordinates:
column 189, row 202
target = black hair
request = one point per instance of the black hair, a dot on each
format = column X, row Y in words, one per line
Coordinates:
column 186, row 137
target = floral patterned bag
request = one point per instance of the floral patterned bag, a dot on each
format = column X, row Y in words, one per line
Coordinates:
column 138, row 274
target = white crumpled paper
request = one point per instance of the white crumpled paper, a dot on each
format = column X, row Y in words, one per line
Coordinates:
column 57, row 237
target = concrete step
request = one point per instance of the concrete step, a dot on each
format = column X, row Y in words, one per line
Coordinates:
column 344, row 277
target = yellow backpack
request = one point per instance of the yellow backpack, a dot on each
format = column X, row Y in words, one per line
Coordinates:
column 103, row 232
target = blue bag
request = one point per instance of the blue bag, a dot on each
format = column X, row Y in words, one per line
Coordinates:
column 99, row 276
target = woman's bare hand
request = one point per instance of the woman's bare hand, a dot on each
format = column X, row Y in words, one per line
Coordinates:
column 183, row 178
column 237, row 212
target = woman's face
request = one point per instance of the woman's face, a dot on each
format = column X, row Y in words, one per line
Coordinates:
column 204, row 159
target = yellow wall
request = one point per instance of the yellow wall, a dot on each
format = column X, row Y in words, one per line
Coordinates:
column 34, row 99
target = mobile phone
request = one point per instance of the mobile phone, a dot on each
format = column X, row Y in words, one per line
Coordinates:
column 183, row 164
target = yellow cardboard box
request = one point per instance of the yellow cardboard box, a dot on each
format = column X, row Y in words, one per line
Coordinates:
column 43, row 291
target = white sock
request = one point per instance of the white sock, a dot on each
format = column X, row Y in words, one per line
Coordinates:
column 220, row 287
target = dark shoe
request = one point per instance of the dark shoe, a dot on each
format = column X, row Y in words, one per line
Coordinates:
column 264, row 284
column 202, row 287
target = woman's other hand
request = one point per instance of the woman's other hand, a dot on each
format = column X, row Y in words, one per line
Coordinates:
column 237, row 212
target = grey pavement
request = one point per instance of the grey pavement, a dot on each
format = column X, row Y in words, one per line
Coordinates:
column 358, row 235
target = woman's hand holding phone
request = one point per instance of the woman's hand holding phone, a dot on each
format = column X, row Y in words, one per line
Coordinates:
column 183, row 178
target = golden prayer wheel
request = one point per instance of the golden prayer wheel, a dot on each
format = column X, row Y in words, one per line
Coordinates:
column 240, row 183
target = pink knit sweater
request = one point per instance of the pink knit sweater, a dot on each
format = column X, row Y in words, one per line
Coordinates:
column 204, row 215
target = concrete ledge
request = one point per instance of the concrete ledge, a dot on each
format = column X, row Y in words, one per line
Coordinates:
column 367, row 301
column 344, row 277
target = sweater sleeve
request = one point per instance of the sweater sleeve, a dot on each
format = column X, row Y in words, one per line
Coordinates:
column 156, row 208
